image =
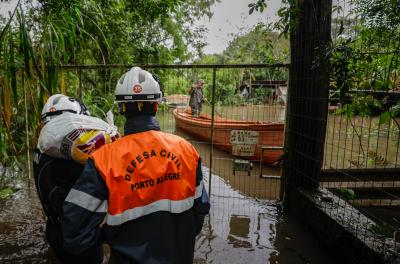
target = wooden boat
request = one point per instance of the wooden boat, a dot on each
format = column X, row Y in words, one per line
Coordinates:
column 269, row 134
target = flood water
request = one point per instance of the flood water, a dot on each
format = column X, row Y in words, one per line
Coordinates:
column 247, row 223
column 241, row 229
column 22, row 225
column 361, row 142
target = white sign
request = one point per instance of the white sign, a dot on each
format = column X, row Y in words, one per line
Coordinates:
column 243, row 150
column 244, row 137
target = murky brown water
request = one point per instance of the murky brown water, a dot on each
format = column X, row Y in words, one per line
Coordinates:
column 241, row 229
column 250, row 185
column 22, row 224
column 361, row 142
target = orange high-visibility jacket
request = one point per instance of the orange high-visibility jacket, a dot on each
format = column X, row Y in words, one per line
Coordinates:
column 148, row 172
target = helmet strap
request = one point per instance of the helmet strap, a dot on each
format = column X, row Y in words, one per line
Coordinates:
column 122, row 108
column 140, row 105
column 131, row 109
column 57, row 112
column 83, row 107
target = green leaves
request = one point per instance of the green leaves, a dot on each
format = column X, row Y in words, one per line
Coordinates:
column 252, row 8
column 346, row 193
column 12, row 72
column 382, row 229
column 260, row 5
column 379, row 14
column 55, row 33
column 384, row 117
column 393, row 112
column 6, row 193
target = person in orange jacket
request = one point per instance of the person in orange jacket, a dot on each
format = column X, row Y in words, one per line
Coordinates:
column 143, row 194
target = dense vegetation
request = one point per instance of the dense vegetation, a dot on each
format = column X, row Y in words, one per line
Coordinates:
column 42, row 35
column 260, row 45
column 363, row 56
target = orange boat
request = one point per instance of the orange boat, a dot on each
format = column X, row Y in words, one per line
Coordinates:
column 269, row 134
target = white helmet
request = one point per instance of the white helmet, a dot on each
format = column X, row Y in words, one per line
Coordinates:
column 59, row 103
column 138, row 85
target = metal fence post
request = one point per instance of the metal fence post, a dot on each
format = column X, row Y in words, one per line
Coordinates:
column 308, row 94
column 212, row 129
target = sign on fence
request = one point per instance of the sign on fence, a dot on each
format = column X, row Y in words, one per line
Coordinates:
column 243, row 150
column 244, row 142
column 244, row 137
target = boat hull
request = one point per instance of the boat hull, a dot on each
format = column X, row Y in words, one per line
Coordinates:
column 270, row 134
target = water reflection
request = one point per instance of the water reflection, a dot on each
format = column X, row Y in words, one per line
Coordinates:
column 238, row 228
column 242, row 229
column 222, row 162
column 350, row 142
column 361, row 142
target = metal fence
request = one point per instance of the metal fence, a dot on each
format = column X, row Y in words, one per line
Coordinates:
column 237, row 97
column 350, row 87
column 362, row 146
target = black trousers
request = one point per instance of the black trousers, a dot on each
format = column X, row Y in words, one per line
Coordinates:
column 54, row 237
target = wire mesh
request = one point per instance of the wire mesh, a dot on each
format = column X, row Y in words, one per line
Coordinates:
column 360, row 159
column 363, row 133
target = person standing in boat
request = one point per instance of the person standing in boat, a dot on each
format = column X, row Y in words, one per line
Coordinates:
column 196, row 97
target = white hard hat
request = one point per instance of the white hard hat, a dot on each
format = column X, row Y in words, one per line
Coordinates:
column 138, row 85
column 59, row 103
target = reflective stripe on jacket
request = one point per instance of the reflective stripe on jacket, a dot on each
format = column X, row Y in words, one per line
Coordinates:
column 148, row 172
